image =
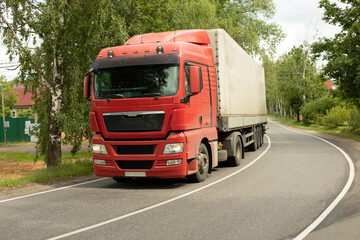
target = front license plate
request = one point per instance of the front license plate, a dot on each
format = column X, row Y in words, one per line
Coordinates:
column 135, row 174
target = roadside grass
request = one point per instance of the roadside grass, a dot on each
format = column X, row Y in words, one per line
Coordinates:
column 3, row 144
column 28, row 157
column 71, row 166
column 341, row 131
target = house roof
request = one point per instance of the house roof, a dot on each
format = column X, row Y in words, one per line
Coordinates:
column 329, row 84
column 24, row 99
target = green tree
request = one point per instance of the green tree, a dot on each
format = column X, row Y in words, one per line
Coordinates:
column 273, row 100
column 342, row 52
column 249, row 23
column 298, row 80
column 10, row 96
column 67, row 36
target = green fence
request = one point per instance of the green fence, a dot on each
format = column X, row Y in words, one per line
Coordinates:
column 16, row 130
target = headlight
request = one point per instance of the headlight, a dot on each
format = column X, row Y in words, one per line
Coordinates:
column 172, row 148
column 100, row 162
column 173, row 162
column 99, row 149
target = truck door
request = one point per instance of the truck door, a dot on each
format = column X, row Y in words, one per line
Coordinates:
column 201, row 100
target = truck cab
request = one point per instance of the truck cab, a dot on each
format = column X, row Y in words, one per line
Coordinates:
column 154, row 107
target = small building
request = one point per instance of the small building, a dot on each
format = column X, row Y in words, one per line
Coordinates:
column 329, row 85
column 25, row 101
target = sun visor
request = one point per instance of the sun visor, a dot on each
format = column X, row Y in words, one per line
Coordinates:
column 146, row 59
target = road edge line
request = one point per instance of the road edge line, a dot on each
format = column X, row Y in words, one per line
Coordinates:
column 341, row 195
column 49, row 191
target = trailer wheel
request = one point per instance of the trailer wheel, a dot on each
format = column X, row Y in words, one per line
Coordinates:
column 261, row 136
column 253, row 146
column 236, row 160
column 203, row 165
column 258, row 137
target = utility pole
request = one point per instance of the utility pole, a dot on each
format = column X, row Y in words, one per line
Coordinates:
column 3, row 112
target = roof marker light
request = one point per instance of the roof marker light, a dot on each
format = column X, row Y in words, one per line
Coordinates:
column 110, row 53
column 160, row 50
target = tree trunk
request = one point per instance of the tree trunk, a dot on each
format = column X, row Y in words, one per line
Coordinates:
column 298, row 116
column 54, row 147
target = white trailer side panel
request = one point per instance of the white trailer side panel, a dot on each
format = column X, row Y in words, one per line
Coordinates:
column 240, row 84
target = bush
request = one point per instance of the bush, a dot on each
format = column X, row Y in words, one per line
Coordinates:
column 318, row 108
column 354, row 120
column 335, row 117
column 29, row 113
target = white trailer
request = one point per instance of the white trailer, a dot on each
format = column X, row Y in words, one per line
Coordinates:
column 241, row 101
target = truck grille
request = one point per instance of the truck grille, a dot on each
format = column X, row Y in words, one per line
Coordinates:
column 134, row 149
column 140, row 165
column 146, row 121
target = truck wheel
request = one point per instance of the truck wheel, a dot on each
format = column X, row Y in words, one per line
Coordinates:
column 203, row 165
column 236, row 160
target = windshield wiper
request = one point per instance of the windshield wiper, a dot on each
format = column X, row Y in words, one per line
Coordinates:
column 151, row 95
column 115, row 96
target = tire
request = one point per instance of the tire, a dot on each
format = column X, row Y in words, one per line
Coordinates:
column 261, row 136
column 252, row 147
column 236, row 160
column 258, row 137
column 203, row 165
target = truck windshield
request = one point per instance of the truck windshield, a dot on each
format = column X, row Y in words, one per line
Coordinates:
column 136, row 81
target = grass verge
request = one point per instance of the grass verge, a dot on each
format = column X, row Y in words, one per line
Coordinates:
column 28, row 157
column 341, row 131
column 71, row 166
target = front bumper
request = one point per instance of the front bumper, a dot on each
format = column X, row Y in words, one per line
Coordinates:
column 134, row 164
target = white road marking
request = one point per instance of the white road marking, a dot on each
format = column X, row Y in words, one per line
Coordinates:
column 161, row 203
column 348, row 184
column 52, row 190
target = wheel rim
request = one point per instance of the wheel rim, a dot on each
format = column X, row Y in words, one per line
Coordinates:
column 203, row 164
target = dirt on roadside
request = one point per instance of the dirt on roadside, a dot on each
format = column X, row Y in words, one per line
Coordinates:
column 17, row 170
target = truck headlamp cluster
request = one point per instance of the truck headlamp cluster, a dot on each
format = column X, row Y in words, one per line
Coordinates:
column 99, row 149
column 172, row 148
column 173, row 162
column 100, row 162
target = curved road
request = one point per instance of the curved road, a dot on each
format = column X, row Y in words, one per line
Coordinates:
column 276, row 193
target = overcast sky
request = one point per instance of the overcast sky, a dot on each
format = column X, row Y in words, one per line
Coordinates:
column 299, row 19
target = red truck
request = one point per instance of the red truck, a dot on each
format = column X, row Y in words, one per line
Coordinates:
column 174, row 105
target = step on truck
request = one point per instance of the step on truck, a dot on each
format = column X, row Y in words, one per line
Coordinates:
column 174, row 105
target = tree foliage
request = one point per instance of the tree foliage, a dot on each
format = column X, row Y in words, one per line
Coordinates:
column 67, row 36
column 10, row 96
column 249, row 23
column 292, row 80
column 342, row 51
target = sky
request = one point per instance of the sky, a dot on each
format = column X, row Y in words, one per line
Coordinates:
column 299, row 19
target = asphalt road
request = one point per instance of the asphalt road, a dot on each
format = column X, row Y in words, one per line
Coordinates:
column 276, row 193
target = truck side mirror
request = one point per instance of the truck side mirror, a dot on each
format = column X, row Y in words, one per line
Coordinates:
column 87, row 86
column 195, row 73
